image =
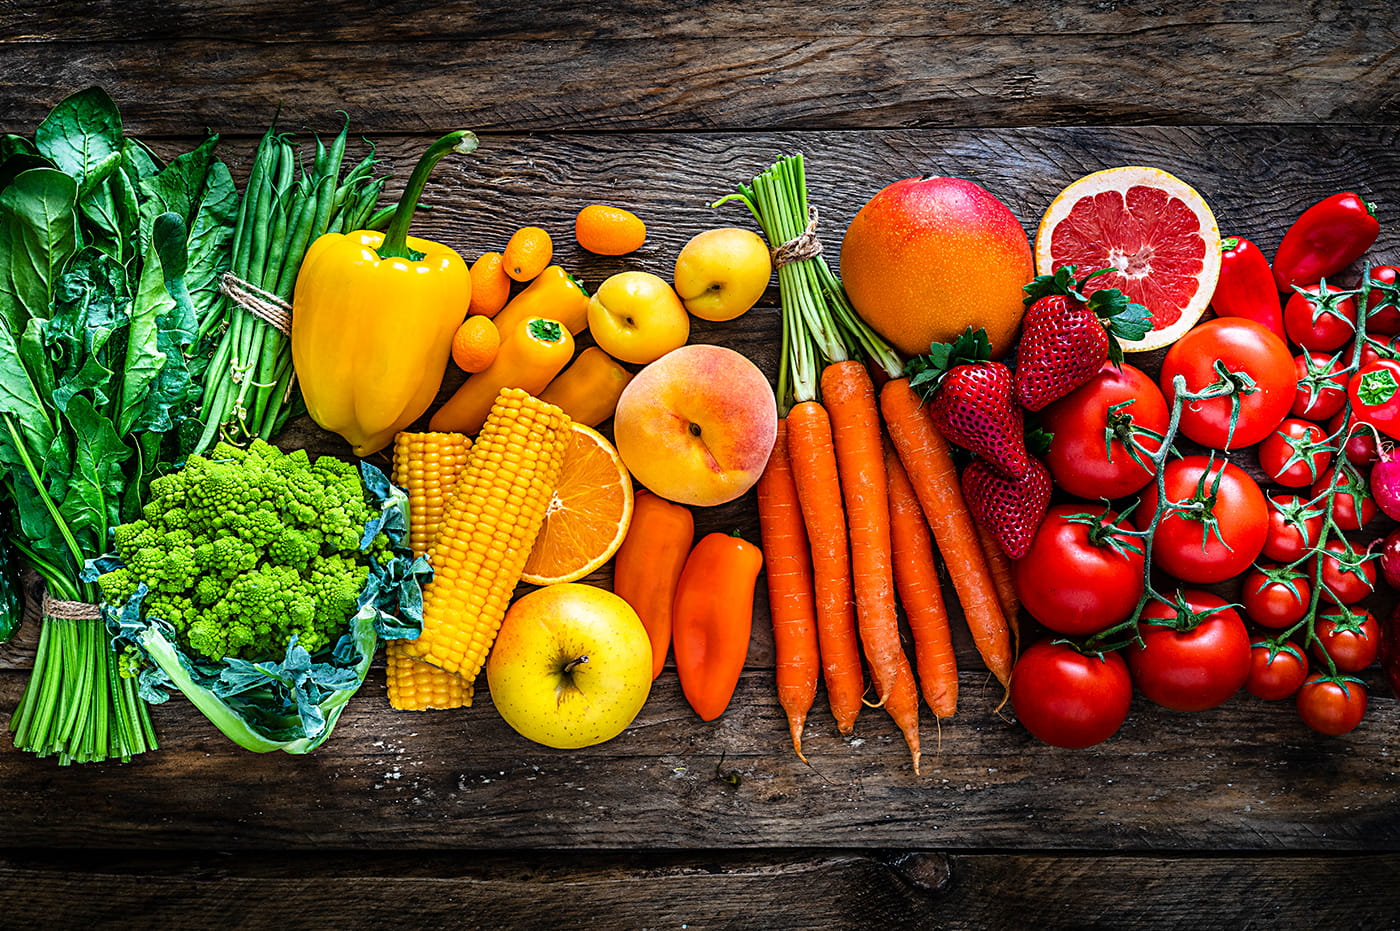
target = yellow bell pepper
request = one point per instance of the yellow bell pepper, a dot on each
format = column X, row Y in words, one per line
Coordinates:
column 529, row 358
column 554, row 295
column 373, row 317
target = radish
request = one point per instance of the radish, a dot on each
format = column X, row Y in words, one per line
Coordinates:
column 1390, row 559
column 1385, row 483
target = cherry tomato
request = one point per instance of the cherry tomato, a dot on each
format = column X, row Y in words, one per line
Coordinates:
column 1088, row 457
column 1351, row 638
column 1323, row 326
column 1067, row 699
column 1275, row 671
column 1349, row 576
column 1352, row 504
column 1322, row 386
column 1374, row 348
column 1361, row 446
column 1332, row 705
column 1295, row 454
column 1189, row 548
column 1386, row 320
column 1196, row 669
column 1374, row 392
column 1079, row 575
column 1246, row 348
column 1275, row 597
column 1294, row 528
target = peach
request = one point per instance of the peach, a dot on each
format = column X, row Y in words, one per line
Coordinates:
column 696, row 426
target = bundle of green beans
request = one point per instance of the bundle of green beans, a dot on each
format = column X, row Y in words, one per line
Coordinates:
column 248, row 390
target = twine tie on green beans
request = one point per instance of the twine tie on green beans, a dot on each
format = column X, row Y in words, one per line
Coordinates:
column 69, row 610
column 805, row 245
column 262, row 304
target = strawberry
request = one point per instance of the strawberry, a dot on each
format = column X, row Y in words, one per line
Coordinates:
column 1066, row 338
column 971, row 400
column 1011, row 509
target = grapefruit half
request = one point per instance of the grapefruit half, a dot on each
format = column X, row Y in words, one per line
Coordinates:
column 1153, row 229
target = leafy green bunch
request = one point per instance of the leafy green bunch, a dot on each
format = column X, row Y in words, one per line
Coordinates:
column 244, row 552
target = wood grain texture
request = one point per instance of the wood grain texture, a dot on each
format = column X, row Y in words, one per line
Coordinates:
column 773, row 889
column 414, row 66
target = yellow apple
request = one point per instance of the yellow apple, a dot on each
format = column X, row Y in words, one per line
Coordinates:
column 637, row 317
column 571, row 666
column 697, row 425
column 721, row 273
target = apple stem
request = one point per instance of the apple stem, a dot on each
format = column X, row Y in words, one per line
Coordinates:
column 574, row 663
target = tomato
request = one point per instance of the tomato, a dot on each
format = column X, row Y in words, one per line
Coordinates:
column 1373, row 349
column 1352, row 504
column 1361, row 446
column 1322, row 385
column 1275, row 597
column 1374, row 392
column 1196, row 668
column 1189, row 548
column 1294, row 527
column 1385, row 320
column 1351, row 638
column 1321, row 326
column 1067, row 699
column 1276, row 671
column 1091, row 425
column 1245, row 348
column 1348, row 576
column 1332, row 705
column 1079, row 576
column 1295, row 454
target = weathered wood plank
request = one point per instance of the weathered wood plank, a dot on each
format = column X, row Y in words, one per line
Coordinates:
column 771, row 889
column 589, row 70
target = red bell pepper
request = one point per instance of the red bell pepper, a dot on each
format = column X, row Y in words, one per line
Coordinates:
column 1329, row 236
column 1383, row 301
column 1246, row 286
column 712, row 620
column 1375, row 395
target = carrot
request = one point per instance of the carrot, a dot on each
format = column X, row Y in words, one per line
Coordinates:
column 999, row 564
column 849, row 395
column 916, row 579
column 791, row 603
column 819, row 490
column 925, row 456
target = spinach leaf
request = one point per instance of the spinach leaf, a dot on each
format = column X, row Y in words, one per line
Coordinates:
column 90, row 308
column 83, row 136
column 88, row 491
column 21, row 400
column 38, row 235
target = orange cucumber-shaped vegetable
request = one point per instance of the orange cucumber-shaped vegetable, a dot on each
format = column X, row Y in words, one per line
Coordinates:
column 527, row 253
column 373, row 318
column 649, row 565
column 791, row 601
column 712, row 620
column 555, row 295
column 588, row 390
column 529, row 358
column 490, row 285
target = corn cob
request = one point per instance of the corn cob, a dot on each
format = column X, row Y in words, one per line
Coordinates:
column 426, row 465
column 496, row 510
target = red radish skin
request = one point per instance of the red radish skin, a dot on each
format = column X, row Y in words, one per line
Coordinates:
column 1385, row 484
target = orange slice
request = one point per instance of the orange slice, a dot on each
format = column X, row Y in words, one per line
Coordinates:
column 1153, row 229
column 588, row 515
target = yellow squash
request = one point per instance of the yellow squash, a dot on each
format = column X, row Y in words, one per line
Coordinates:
column 373, row 317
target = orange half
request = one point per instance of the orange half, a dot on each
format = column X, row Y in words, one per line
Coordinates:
column 588, row 515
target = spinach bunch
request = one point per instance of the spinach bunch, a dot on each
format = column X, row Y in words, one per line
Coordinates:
column 109, row 261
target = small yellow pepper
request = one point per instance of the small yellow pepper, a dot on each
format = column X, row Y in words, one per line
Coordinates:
column 588, row 390
column 554, row 295
column 529, row 357
column 373, row 317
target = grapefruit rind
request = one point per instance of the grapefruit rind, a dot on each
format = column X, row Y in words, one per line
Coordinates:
column 614, row 477
column 1120, row 180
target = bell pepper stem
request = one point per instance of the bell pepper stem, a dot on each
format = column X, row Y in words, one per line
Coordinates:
column 395, row 243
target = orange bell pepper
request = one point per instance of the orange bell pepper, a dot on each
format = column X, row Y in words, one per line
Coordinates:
column 712, row 620
column 588, row 390
column 530, row 356
column 554, row 294
column 649, row 565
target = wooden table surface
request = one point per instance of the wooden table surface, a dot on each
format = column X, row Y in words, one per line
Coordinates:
column 1233, row 817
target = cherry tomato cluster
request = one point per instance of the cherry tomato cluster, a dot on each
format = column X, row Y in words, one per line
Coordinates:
column 1290, row 378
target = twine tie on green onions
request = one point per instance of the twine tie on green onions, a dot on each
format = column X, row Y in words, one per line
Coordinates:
column 804, row 245
column 264, row 305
